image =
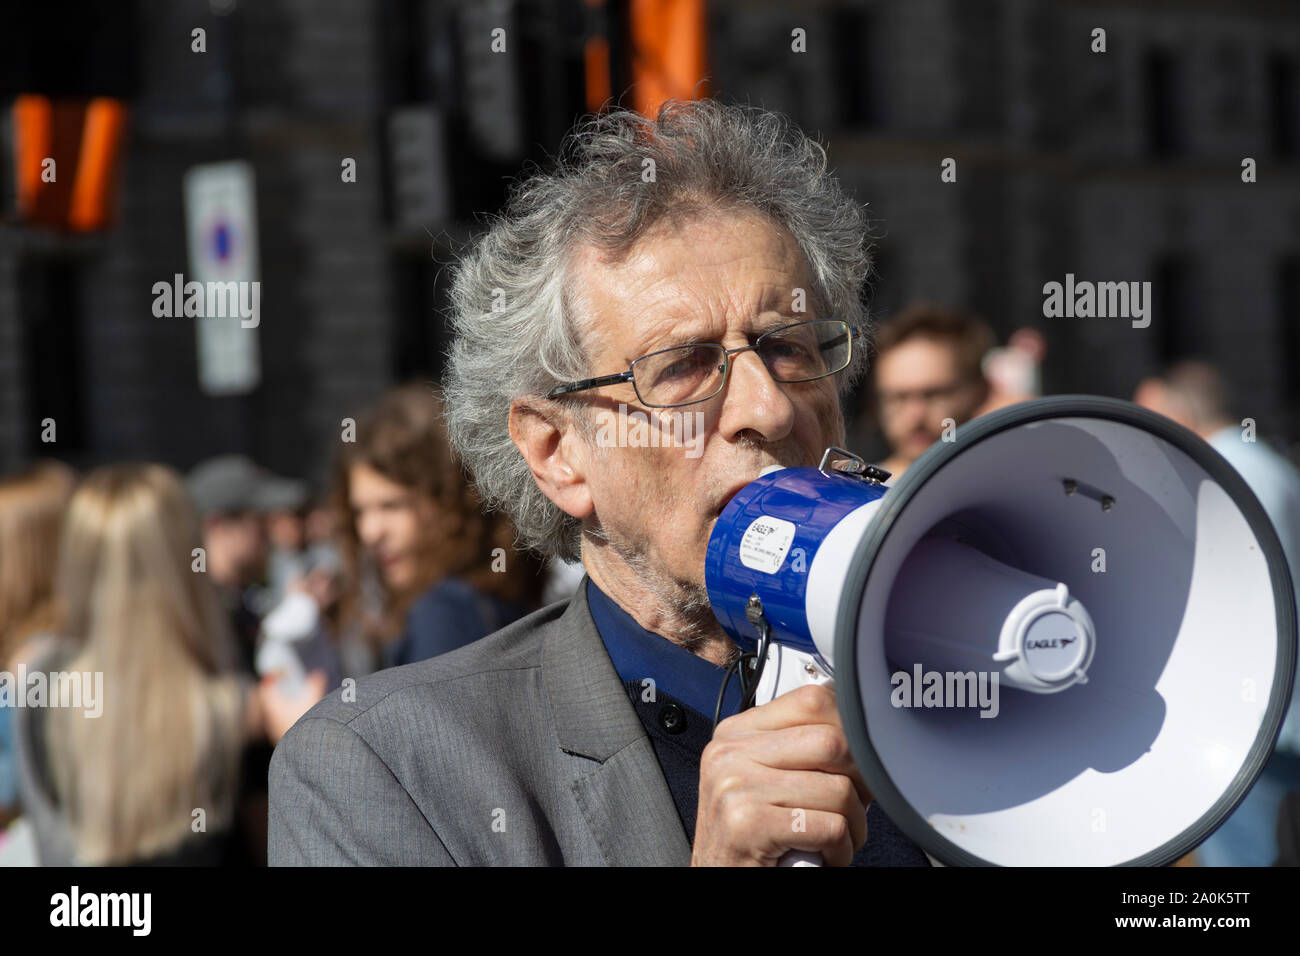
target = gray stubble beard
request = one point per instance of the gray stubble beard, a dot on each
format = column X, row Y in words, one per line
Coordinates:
column 692, row 624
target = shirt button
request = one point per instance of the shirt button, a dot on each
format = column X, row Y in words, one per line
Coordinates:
column 672, row 719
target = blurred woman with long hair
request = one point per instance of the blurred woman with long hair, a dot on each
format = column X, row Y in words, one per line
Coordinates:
column 133, row 784
column 32, row 503
column 425, row 569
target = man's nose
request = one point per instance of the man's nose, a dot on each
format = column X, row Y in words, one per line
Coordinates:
column 754, row 401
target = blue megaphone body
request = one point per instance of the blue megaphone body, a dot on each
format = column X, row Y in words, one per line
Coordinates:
column 786, row 539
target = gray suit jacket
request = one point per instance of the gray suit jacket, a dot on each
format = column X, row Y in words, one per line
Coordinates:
column 519, row 749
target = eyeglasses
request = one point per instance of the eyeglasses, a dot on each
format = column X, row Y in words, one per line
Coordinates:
column 686, row 374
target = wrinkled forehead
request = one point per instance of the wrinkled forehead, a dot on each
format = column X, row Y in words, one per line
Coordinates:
column 690, row 279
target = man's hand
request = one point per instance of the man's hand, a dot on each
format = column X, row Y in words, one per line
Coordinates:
column 780, row 777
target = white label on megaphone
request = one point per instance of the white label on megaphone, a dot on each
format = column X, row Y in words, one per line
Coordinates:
column 765, row 543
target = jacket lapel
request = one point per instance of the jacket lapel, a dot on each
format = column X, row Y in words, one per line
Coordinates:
column 623, row 796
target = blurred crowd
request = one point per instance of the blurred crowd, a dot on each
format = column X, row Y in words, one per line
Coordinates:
column 219, row 606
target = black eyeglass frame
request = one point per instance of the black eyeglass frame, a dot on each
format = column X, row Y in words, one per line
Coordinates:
column 618, row 378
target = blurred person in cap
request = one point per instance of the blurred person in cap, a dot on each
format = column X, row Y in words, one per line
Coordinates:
column 286, row 562
column 927, row 372
column 426, row 569
column 234, row 497
column 159, row 730
column 1195, row 395
column 724, row 292
column 32, row 504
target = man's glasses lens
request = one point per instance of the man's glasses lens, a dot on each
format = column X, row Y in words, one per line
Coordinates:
column 681, row 375
column 693, row 373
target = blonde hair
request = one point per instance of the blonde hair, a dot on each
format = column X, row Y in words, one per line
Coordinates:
column 32, row 503
column 168, row 740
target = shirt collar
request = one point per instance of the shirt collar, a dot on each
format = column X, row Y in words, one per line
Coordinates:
column 638, row 654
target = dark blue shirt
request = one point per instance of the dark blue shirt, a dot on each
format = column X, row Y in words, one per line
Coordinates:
column 674, row 692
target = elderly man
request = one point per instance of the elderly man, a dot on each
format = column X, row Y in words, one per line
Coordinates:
column 703, row 264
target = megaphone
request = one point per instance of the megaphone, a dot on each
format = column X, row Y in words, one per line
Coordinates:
column 1067, row 637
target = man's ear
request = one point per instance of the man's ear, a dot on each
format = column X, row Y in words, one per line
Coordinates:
column 548, row 439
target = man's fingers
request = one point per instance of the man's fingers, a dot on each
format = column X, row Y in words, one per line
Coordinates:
column 815, row 831
column 812, row 747
column 812, row 791
column 811, row 704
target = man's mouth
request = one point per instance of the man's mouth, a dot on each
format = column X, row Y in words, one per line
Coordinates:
column 726, row 499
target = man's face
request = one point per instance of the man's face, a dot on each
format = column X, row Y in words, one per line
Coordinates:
column 239, row 543
column 285, row 530
column 392, row 523
column 723, row 280
column 918, row 386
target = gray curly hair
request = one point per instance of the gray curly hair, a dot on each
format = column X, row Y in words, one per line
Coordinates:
column 511, row 310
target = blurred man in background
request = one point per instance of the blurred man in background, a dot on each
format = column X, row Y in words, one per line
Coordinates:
column 928, row 376
column 234, row 496
column 1194, row 395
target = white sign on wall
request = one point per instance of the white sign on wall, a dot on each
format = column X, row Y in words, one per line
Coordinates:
column 221, row 231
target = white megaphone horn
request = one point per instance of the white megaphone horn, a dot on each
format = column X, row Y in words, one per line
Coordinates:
column 1067, row 637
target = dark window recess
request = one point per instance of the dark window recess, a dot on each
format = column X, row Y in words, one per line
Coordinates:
column 1284, row 105
column 409, row 55
column 850, row 31
column 72, row 48
column 50, row 303
column 1162, row 85
column 8, row 171
column 430, row 60
column 552, row 73
column 883, row 292
column 1173, row 308
column 1230, row 75
column 421, row 337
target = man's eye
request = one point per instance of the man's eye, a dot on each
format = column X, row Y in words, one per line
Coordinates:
column 790, row 355
column 688, row 364
column 786, row 349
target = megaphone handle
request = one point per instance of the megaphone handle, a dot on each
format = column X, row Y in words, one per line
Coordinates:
column 801, row 858
column 785, row 670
